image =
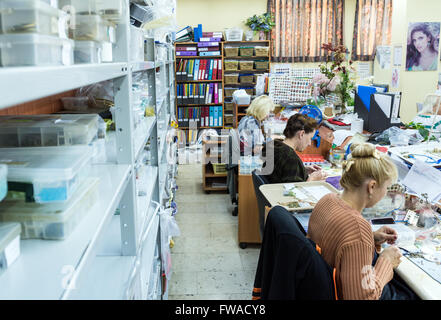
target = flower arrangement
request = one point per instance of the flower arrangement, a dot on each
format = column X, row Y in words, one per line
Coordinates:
column 263, row 23
column 335, row 77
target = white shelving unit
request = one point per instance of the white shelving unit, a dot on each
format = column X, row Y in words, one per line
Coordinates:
column 109, row 255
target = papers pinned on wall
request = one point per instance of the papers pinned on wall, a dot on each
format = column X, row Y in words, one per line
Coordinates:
column 364, row 70
column 384, row 55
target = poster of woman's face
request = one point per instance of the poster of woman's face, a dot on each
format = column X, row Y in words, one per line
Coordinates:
column 423, row 46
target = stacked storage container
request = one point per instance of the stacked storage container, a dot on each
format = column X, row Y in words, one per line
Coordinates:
column 93, row 26
column 33, row 33
column 48, row 160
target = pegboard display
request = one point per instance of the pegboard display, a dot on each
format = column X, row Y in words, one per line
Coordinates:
column 291, row 84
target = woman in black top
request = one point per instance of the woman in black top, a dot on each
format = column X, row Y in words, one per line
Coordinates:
column 288, row 167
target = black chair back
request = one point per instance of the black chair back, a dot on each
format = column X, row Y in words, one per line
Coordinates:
column 259, row 180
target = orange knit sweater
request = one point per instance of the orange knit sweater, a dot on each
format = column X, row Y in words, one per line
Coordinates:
column 347, row 244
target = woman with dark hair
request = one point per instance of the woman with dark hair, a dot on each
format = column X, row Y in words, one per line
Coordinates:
column 288, row 167
column 422, row 54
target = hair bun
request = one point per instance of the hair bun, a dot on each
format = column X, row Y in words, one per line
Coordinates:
column 364, row 150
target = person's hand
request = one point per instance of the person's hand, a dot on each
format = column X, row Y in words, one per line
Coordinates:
column 317, row 176
column 313, row 168
column 385, row 234
column 393, row 254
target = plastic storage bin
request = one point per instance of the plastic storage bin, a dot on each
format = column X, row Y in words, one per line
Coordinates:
column 232, row 78
column 9, row 240
column 47, row 174
column 246, row 51
column 3, row 181
column 234, row 34
column 229, row 91
column 219, row 168
column 35, row 50
column 110, row 9
column 89, row 28
column 28, row 16
column 262, row 65
column 75, row 103
column 231, row 51
column 51, row 221
column 231, row 65
column 141, row 14
column 229, row 106
column 136, row 44
column 87, row 52
column 48, row 130
column 246, row 78
column 246, row 65
column 83, row 7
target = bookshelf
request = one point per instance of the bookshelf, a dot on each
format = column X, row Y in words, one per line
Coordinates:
column 203, row 103
column 211, row 152
column 233, row 113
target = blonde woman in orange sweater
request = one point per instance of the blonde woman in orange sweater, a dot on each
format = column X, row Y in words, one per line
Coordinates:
column 346, row 238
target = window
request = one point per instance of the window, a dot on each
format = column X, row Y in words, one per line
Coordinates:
column 302, row 26
column 373, row 27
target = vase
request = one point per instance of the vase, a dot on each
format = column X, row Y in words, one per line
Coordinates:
column 262, row 35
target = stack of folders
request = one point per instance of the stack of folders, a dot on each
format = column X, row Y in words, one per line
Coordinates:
column 200, row 117
column 199, row 93
column 186, row 51
column 185, row 34
column 199, row 69
column 209, row 44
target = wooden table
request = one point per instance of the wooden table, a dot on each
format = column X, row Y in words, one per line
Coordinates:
column 248, row 212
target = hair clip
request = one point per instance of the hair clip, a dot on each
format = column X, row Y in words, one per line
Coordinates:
column 349, row 165
column 376, row 155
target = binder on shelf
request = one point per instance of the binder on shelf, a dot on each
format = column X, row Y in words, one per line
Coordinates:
column 208, row 44
column 220, row 93
column 184, row 32
column 216, row 93
column 384, row 111
column 215, row 116
column 191, row 95
column 207, row 116
column 185, row 94
column 206, row 49
column 209, row 53
column 207, row 94
column 210, row 94
column 221, row 116
column 210, row 74
column 186, row 48
column 201, row 93
column 208, row 39
column 179, row 94
column 219, row 71
column 211, row 123
column 202, row 116
column 215, row 69
column 186, row 53
column 196, row 68
column 202, row 74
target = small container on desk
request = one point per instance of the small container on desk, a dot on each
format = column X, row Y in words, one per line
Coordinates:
column 29, row 16
column 47, row 175
column 54, row 221
column 9, row 241
column 35, row 50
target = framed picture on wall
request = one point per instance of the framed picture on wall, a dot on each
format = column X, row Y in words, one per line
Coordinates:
column 423, row 46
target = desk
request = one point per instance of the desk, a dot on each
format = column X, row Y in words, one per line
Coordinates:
column 417, row 279
column 248, row 215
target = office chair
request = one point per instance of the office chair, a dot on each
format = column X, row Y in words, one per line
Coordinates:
column 259, row 180
column 233, row 167
column 290, row 266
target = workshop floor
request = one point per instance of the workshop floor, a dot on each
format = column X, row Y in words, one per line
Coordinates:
column 207, row 262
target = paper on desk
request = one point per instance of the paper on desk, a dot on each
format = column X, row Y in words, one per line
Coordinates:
column 340, row 136
column 423, row 178
column 384, row 102
column 402, row 167
column 297, row 192
column 318, row 192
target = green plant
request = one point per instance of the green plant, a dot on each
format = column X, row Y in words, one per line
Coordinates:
column 264, row 22
column 421, row 129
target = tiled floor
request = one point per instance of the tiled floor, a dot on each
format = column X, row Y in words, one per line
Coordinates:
column 206, row 259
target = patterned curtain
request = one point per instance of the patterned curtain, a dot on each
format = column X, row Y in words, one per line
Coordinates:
column 373, row 27
column 302, row 26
